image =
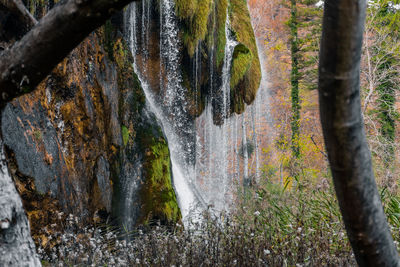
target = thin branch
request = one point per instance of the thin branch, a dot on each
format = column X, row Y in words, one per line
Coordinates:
column 322, row 152
column 370, row 74
column 17, row 7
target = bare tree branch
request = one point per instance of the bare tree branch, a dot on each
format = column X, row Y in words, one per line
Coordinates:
column 316, row 145
column 30, row 60
column 370, row 75
column 343, row 128
column 17, row 7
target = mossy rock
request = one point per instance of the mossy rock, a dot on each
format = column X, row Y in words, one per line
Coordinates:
column 195, row 17
column 241, row 62
column 143, row 138
column 221, row 9
column 158, row 197
column 125, row 134
column 246, row 70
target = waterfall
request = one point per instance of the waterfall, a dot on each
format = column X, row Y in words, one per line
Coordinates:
column 245, row 154
column 262, row 119
column 207, row 159
column 169, row 105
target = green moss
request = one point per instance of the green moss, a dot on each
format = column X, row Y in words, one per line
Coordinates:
column 32, row 7
column 221, row 9
column 195, row 15
column 185, row 9
column 119, row 53
column 125, row 134
column 201, row 19
column 157, row 194
column 37, row 134
column 241, row 62
column 245, row 85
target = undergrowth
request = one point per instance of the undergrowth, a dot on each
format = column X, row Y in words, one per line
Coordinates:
column 270, row 227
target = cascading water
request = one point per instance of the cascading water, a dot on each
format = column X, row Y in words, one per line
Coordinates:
column 212, row 164
column 207, row 159
column 169, row 104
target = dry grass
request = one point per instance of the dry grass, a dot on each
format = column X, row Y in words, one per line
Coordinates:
column 270, row 227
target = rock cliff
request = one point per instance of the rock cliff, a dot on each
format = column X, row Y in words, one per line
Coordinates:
column 85, row 143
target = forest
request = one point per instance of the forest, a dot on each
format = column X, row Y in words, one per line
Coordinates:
column 199, row 133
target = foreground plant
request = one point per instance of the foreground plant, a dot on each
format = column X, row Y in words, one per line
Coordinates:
column 271, row 228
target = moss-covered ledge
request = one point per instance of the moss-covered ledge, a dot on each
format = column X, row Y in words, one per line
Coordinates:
column 246, row 71
column 195, row 17
column 241, row 63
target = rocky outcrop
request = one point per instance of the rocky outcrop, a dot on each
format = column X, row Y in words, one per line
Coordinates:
column 246, row 71
column 84, row 142
column 202, row 34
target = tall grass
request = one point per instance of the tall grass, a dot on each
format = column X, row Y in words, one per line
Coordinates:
column 270, row 226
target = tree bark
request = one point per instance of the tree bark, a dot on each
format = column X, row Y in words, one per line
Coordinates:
column 345, row 140
column 15, row 22
column 17, row 7
column 16, row 245
column 30, row 60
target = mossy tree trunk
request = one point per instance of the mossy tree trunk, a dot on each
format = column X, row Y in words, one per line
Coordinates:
column 294, row 79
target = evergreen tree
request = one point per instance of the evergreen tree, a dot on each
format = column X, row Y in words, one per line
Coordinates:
column 305, row 30
column 294, row 78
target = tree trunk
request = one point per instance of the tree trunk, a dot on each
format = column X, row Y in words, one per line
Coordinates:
column 16, row 245
column 345, row 140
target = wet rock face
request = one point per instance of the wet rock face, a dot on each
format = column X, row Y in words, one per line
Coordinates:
column 33, row 138
column 103, row 175
column 58, row 132
column 72, row 145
